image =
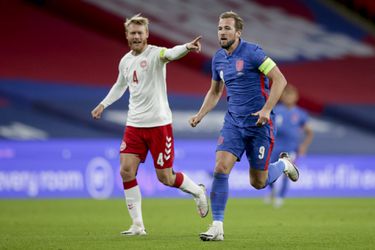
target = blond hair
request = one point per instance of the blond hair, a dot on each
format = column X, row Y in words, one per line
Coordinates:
column 137, row 19
column 238, row 21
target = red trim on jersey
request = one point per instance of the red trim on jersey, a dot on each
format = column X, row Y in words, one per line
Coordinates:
column 271, row 145
column 179, row 180
column 130, row 184
column 263, row 86
column 264, row 93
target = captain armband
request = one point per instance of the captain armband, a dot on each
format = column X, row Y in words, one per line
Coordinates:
column 174, row 53
column 266, row 66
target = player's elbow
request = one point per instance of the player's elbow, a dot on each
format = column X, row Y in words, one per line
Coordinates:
column 279, row 83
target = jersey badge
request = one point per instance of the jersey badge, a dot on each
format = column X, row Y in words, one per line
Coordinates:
column 239, row 67
column 123, row 146
column 295, row 118
column 143, row 64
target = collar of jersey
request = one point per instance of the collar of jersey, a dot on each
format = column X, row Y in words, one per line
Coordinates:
column 148, row 46
column 234, row 51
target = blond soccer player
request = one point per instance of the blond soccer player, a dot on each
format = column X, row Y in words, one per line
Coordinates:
column 149, row 122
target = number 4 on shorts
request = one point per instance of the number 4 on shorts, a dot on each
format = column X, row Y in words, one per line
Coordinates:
column 160, row 160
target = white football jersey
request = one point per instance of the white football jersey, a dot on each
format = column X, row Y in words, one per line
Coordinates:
column 145, row 75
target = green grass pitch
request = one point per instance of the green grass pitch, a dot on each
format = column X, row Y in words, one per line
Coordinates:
column 174, row 224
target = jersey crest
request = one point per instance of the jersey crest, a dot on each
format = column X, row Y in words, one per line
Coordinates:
column 239, row 65
column 143, row 64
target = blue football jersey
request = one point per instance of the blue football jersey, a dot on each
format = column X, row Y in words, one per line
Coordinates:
column 247, row 87
column 289, row 123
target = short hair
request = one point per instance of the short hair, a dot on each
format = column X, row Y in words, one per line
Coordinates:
column 289, row 88
column 137, row 19
column 238, row 21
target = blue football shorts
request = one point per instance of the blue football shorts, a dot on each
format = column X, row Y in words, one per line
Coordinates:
column 257, row 142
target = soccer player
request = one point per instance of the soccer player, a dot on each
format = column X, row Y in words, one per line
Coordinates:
column 245, row 70
column 149, row 121
column 294, row 135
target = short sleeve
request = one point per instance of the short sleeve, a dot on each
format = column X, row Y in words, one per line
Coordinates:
column 258, row 56
column 261, row 61
column 215, row 74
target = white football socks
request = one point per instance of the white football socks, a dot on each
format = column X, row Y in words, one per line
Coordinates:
column 133, row 200
column 190, row 186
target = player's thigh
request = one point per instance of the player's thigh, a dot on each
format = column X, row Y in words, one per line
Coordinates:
column 258, row 151
column 161, row 144
column 230, row 141
column 133, row 143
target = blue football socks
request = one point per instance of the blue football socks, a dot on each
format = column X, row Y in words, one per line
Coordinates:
column 274, row 171
column 219, row 195
column 284, row 187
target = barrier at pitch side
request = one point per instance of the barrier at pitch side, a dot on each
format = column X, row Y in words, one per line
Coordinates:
column 90, row 169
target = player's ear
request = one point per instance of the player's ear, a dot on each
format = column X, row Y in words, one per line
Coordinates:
column 238, row 33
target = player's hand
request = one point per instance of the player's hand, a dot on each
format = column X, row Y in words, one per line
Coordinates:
column 97, row 111
column 194, row 120
column 263, row 117
column 194, row 45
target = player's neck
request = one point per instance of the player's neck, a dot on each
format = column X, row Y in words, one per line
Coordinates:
column 233, row 47
column 290, row 106
column 136, row 53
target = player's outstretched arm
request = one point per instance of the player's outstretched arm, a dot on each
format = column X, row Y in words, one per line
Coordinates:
column 180, row 51
column 309, row 134
column 210, row 101
column 195, row 45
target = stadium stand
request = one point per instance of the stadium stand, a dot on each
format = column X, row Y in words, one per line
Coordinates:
column 60, row 64
column 365, row 8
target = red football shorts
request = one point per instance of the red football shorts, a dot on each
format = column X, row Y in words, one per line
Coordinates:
column 159, row 140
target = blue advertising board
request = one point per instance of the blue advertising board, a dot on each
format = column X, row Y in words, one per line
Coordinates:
column 90, row 169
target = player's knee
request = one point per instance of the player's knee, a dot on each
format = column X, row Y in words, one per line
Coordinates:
column 257, row 184
column 221, row 168
column 126, row 173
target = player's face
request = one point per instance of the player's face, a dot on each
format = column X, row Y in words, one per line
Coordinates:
column 137, row 37
column 227, row 33
column 289, row 97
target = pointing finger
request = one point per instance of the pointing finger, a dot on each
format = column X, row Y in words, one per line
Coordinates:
column 197, row 39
